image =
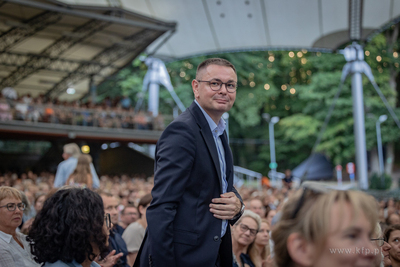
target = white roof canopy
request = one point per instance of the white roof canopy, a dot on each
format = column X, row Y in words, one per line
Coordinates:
column 210, row 26
column 48, row 45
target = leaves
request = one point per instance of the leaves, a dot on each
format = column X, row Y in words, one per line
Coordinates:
column 298, row 87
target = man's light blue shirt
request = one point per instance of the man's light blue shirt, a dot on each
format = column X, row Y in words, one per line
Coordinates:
column 67, row 167
column 217, row 131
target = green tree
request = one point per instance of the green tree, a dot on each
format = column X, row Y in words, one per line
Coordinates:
column 298, row 87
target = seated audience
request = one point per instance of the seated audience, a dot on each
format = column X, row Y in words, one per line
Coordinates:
column 382, row 246
column 134, row 233
column 71, row 230
column 270, row 215
column 244, row 232
column 14, row 249
column 259, row 251
column 129, row 215
column 38, row 205
column 392, row 235
column 393, row 219
column 115, row 241
column 256, row 206
column 315, row 223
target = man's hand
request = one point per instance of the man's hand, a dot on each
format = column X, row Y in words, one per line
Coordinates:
column 110, row 260
column 225, row 207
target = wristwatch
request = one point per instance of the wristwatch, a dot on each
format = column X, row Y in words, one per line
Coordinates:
column 237, row 216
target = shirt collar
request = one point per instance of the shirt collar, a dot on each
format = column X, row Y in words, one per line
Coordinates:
column 215, row 129
column 5, row 237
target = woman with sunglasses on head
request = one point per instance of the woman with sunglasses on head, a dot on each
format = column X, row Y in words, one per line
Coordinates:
column 14, row 249
column 71, row 230
column 244, row 232
column 320, row 228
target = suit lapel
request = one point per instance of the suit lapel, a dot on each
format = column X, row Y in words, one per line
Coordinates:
column 205, row 131
column 228, row 159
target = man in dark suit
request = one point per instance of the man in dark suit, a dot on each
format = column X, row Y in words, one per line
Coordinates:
column 193, row 196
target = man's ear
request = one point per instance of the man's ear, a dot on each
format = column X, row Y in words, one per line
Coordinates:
column 195, row 87
column 300, row 250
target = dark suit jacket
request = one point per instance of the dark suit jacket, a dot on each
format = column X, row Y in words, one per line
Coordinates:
column 181, row 229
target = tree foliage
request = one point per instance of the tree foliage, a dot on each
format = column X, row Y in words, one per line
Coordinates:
column 298, row 87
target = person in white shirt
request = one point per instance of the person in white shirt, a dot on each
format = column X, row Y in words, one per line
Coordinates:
column 14, row 249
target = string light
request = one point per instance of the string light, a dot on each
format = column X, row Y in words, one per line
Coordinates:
column 271, row 58
column 267, row 86
column 284, row 87
column 379, row 58
column 292, row 91
column 291, row 54
column 252, row 84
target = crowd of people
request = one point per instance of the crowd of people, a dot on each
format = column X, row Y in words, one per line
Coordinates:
column 295, row 217
column 190, row 213
column 110, row 113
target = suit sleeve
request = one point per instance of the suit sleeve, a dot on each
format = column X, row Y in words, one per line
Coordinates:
column 174, row 160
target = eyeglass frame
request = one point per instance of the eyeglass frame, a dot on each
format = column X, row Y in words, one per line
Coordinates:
column 107, row 220
column 379, row 239
column 220, row 87
column 15, row 206
column 241, row 225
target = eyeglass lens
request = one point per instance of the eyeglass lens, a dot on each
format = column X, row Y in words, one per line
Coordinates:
column 378, row 241
column 217, row 84
column 245, row 228
column 13, row 206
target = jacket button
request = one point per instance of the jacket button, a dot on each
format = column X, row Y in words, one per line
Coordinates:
column 216, row 238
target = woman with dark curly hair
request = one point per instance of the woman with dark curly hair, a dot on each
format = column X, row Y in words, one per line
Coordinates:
column 70, row 230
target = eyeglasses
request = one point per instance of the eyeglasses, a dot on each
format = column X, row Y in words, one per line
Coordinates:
column 107, row 220
column 309, row 189
column 12, row 206
column 378, row 241
column 216, row 85
column 245, row 228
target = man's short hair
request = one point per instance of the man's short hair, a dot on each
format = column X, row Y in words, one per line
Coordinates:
column 104, row 193
column 72, row 149
column 128, row 206
column 214, row 61
column 390, row 229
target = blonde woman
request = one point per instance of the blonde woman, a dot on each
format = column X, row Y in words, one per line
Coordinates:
column 259, row 251
column 243, row 235
column 82, row 176
column 321, row 228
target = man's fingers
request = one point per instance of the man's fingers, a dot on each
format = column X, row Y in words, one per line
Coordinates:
column 222, row 207
column 224, row 200
column 228, row 194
